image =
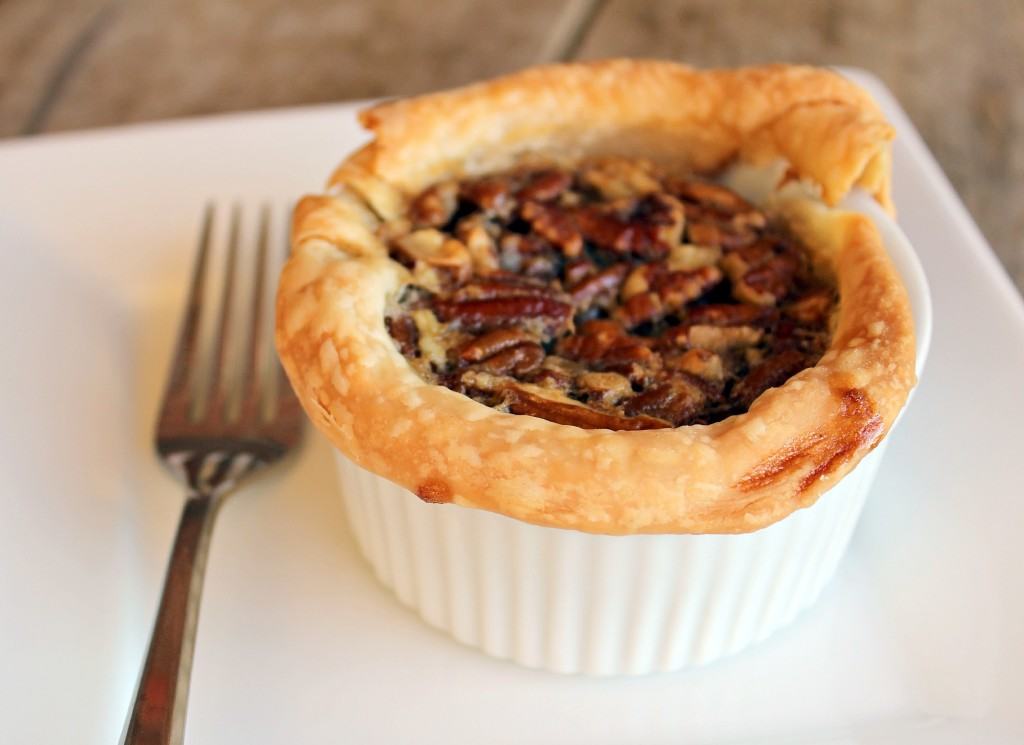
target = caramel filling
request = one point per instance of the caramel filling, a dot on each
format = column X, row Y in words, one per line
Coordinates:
column 610, row 296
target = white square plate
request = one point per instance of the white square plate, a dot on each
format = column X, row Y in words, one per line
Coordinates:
column 919, row 639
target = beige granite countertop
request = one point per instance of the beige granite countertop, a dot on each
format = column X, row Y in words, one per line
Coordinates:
column 957, row 66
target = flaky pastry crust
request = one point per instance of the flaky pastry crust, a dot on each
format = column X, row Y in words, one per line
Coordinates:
column 733, row 476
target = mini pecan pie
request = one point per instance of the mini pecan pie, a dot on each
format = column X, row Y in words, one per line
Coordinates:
column 536, row 296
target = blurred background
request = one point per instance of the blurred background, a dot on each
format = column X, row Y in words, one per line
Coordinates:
column 957, row 66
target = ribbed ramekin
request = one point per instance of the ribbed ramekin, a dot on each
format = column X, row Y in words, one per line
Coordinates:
column 571, row 602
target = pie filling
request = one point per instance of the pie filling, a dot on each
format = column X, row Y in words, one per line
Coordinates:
column 608, row 296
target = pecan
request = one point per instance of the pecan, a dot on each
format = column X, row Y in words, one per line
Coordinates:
column 649, row 233
column 546, row 186
column 524, row 402
column 702, row 363
column 710, row 232
column 403, row 330
column 435, row 249
column 502, row 286
column 678, row 288
column 493, row 194
column 686, row 257
column 519, row 360
column 704, row 233
column 766, row 283
column 675, row 400
column 615, row 177
column 606, row 387
column 489, row 344
column 638, row 281
column 478, row 236
column 646, row 306
column 811, row 308
column 435, row 205
column 477, row 315
column 554, row 224
column 579, row 269
column 558, row 373
column 605, row 282
column 722, row 338
column 773, row 371
column 709, row 195
column 728, row 314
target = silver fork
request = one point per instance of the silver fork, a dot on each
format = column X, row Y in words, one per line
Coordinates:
column 211, row 442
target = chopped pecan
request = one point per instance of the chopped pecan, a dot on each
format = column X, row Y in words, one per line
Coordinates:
column 555, row 224
column 768, row 283
column 638, row 281
column 435, row 205
column 709, row 195
column 646, row 306
column 606, row 387
column 477, row 315
column 403, row 330
column 558, row 373
column 489, row 344
column 674, row 400
column 649, row 230
column 678, row 288
column 519, row 360
column 566, row 412
column 703, row 363
column 606, row 282
column 478, row 235
column 616, row 178
column 704, row 233
column 579, row 269
column 811, row 308
column 729, row 314
column 773, row 371
column 722, row 338
column 546, row 186
column 710, row 232
column 493, row 194
column 686, row 257
column 435, row 249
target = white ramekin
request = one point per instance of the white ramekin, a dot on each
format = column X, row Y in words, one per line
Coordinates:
column 571, row 602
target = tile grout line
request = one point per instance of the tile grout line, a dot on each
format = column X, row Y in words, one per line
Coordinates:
column 570, row 30
column 64, row 68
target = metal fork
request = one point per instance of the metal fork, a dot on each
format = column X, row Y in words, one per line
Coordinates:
column 211, row 442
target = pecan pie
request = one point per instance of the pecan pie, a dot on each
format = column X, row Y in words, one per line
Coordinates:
column 536, row 296
column 607, row 296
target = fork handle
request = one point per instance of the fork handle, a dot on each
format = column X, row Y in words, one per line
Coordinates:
column 157, row 716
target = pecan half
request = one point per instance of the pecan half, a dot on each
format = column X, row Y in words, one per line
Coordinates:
column 678, row 288
column 519, row 360
column 606, row 282
column 435, row 205
column 546, row 186
column 404, row 331
column 709, row 195
column 523, row 402
column 646, row 306
column 489, row 344
column 605, row 387
column 493, row 194
column 675, row 401
column 554, row 224
column 478, row 315
column 773, row 371
column 729, row 314
column 811, row 308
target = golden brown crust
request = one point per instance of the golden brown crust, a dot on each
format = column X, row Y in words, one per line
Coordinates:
column 733, row 476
